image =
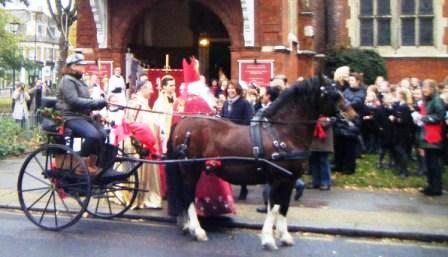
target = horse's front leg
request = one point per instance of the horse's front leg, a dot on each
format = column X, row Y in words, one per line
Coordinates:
column 267, row 233
column 194, row 226
column 190, row 178
column 281, row 223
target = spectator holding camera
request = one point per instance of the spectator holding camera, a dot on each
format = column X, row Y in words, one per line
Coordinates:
column 20, row 112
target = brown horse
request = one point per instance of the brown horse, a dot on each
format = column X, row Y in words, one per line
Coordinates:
column 286, row 129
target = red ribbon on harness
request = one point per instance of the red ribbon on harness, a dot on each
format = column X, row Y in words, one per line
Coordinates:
column 319, row 131
column 213, row 163
column 61, row 130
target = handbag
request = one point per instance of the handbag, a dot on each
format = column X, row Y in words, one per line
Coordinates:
column 346, row 129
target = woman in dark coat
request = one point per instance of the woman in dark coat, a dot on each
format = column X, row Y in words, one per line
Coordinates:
column 431, row 136
column 347, row 129
column 238, row 110
column 321, row 147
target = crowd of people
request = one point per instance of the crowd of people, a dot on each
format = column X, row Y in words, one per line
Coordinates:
column 404, row 121
column 400, row 123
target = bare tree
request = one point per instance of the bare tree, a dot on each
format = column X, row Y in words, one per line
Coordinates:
column 65, row 16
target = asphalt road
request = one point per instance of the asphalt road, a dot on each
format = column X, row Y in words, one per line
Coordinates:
column 92, row 237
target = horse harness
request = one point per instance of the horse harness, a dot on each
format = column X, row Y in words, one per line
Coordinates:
column 281, row 153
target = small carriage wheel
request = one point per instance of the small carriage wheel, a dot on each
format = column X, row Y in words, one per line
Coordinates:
column 54, row 187
column 113, row 198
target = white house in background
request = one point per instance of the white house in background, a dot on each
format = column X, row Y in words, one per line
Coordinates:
column 40, row 41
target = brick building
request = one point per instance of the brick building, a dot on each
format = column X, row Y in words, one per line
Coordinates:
column 411, row 35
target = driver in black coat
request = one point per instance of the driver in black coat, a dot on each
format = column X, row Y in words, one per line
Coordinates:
column 75, row 103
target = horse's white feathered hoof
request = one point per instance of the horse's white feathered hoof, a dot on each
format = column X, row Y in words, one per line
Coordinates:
column 268, row 242
column 286, row 239
column 201, row 235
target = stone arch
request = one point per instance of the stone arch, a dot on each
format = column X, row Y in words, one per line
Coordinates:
column 230, row 16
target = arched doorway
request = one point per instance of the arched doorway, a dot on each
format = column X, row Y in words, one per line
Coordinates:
column 176, row 28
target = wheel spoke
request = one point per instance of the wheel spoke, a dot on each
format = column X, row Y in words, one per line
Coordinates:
column 45, row 209
column 38, row 179
column 97, row 205
column 78, row 199
column 109, row 205
column 39, row 163
column 118, row 198
column 65, row 206
column 42, row 196
column 34, row 189
column 55, row 210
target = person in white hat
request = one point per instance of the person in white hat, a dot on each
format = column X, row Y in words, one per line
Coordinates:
column 76, row 105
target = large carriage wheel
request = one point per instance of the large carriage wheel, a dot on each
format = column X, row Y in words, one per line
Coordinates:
column 114, row 194
column 54, row 187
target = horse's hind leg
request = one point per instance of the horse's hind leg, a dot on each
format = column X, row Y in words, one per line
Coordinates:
column 284, row 196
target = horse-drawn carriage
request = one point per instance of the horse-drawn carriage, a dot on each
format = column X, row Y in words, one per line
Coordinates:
column 55, row 188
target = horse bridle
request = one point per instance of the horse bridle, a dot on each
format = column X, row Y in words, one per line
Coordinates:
column 215, row 117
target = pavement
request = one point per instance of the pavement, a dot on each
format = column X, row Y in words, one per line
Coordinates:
column 347, row 212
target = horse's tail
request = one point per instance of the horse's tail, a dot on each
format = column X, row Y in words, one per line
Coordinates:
column 173, row 179
column 170, row 154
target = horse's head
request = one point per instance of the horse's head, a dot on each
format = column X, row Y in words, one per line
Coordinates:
column 308, row 98
column 330, row 99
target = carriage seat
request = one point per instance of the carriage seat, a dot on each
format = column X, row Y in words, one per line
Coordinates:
column 49, row 101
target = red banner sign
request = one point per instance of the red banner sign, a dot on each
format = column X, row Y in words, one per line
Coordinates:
column 101, row 69
column 259, row 72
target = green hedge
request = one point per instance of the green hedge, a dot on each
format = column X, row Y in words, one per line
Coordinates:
column 359, row 60
column 10, row 134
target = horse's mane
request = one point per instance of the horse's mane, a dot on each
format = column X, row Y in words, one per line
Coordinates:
column 304, row 93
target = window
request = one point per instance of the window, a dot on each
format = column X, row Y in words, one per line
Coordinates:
column 375, row 21
column 52, row 32
column 396, row 23
column 40, row 30
column 417, row 22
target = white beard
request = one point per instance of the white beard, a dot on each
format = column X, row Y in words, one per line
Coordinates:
column 200, row 89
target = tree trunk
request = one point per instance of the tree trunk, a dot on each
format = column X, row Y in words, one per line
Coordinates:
column 63, row 53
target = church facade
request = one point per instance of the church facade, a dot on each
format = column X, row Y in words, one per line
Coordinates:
column 292, row 35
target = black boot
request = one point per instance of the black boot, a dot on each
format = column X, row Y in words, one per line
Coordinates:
column 243, row 193
column 404, row 173
column 421, row 169
column 380, row 164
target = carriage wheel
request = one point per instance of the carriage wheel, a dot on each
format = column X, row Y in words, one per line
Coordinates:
column 112, row 199
column 54, row 187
